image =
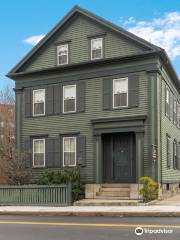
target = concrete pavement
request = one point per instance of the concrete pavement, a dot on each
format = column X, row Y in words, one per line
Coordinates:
column 120, row 211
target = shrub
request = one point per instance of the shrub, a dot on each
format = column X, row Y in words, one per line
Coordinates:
column 149, row 190
column 66, row 175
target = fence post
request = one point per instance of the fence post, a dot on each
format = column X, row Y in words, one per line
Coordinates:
column 69, row 193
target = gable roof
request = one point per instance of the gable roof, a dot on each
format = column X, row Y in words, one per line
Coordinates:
column 76, row 9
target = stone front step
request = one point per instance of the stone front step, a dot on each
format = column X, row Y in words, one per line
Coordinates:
column 115, row 185
column 106, row 202
column 113, row 194
column 108, row 189
column 112, row 197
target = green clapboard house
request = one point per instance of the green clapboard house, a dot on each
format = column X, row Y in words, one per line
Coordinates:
column 93, row 95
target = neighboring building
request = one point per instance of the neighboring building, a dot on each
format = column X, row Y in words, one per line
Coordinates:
column 93, row 95
column 7, row 124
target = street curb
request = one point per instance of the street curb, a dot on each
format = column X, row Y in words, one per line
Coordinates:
column 95, row 214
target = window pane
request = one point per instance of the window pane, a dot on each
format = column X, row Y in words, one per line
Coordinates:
column 69, row 92
column 39, row 159
column 120, row 100
column 39, row 108
column 62, row 50
column 120, row 86
column 167, row 95
column 39, row 96
column 39, row 146
column 96, row 43
column 69, row 105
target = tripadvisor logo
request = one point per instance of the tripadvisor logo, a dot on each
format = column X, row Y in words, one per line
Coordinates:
column 138, row 231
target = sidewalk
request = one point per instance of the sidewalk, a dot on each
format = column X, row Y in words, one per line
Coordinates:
column 114, row 211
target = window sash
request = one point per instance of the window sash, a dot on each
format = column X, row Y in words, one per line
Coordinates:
column 62, row 54
column 69, row 151
column 175, row 155
column 69, row 102
column 96, row 48
column 39, row 153
column 120, row 92
column 39, row 102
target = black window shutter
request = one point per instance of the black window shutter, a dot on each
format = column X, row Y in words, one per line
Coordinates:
column 80, row 95
column 28, row 152
column 49, row 100
column 107, row 93
column 133, row 90
column 49, row 162
column 28, row 102
column 57, row 153
column 178, row 153
column 57, row 99
column 81, row 150
column 53, row 150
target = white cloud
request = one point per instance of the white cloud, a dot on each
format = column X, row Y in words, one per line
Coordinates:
column 33, row 40
column 163, row 32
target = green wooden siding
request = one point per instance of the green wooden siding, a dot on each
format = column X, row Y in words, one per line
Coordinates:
column 167, row 127
column 81, row 122
column 78, row 31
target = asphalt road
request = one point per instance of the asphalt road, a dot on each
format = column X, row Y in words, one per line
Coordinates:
column 86, row 228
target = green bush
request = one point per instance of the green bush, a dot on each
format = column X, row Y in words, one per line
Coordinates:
column 149, row 190
column 62, row 177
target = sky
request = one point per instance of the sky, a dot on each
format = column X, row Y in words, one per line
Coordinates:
column 24, row 23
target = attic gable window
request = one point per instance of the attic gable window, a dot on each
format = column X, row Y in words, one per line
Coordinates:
column 62, row 54
column 96, row 48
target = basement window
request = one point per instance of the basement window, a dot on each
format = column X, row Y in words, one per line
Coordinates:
column 62, row 54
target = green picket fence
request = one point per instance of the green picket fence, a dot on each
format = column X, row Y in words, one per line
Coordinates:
column 53, row 195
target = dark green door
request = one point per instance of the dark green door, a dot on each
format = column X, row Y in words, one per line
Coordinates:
column 119, row 164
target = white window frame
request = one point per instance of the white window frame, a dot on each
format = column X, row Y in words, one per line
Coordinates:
column 61, row 45
column 42, row 114
column 117, row 79
column 92, row 48
column 72, row 165
column 44, row 142
column 64, row 98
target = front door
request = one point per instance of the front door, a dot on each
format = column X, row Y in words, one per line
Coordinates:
column 119, row 164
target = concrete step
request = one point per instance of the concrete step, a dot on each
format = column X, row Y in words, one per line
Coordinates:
column 106, row 202
column 112, row 197
column 115, row 185
column 113, row 194
column 107, row 189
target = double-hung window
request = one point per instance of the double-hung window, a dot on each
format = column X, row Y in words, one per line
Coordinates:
column 96, row 48
column 38, row 152
column 167, row 106
column 168, row 147
column 39, row 102
column 69, row 151
column 178, row 115
column 69, row 98
column 175, row 112
column 62, row 54
column 120, row 92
